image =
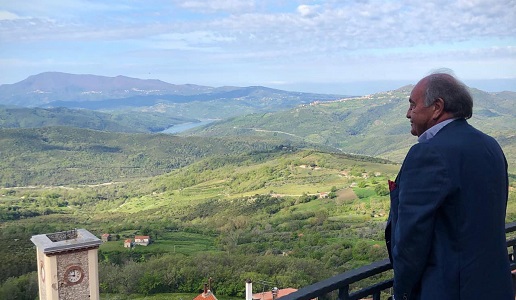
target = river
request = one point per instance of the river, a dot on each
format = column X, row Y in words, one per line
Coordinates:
column 186, row 126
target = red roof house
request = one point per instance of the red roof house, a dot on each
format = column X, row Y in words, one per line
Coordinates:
column 106, row 237
column 206, row 295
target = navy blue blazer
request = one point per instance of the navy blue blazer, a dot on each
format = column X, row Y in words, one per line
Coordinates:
column 446, row 229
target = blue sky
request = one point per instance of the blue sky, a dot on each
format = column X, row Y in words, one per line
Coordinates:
column 334, row 46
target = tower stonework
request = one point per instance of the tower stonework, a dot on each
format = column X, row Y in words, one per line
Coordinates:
column 67, row 265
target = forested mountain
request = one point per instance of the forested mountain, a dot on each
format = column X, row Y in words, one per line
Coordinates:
column 67, row 155
column 46, row 87
column 372, row 125
column 54, row 89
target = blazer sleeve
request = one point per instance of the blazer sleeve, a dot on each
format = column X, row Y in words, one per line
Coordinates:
column 423, row 185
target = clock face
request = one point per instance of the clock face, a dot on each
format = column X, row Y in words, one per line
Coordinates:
column 74, row 275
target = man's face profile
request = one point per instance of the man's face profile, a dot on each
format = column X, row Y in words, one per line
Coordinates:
column 420, row 116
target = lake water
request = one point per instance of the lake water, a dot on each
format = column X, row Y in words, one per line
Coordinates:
column 186, row 126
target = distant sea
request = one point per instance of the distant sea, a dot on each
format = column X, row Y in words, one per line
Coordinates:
column 360, row 88
column 186, row 126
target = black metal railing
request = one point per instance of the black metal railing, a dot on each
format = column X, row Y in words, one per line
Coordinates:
column 342, row 282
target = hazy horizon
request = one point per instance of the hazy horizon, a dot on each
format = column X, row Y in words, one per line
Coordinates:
column 355, row 88
column 314, row 45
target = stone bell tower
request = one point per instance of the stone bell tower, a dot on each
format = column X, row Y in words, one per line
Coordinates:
column 67, row 265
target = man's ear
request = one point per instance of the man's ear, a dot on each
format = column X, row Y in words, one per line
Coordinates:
column 438, row 108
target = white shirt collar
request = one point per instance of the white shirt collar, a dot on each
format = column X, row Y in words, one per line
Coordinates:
column 432, row 131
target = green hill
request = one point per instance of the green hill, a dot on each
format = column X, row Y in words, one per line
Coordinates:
column 239, row 213
column 292, row 217
column 67, row 155
column 373, row 125
column 115, row 121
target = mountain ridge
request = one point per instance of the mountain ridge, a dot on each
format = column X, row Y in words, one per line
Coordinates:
column 56, row 80
column 373, row 125
column 63, row 88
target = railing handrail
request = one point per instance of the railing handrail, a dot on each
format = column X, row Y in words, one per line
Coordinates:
column 510, row 227
column 342, row 281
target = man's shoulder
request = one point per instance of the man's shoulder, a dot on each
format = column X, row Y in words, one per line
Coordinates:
column 458, row 138
column 424, row 149
column 454, row 131
column 455, row 125
column 458, row 131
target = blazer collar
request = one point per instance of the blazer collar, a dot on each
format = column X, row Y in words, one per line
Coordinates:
column 432, row 131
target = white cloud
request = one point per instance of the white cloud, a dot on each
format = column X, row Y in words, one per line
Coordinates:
column 6, row 15
column 61, row 8
column 307, row 10
column 334, row 25
column 210, row 6
column 200, row 41
column 300, row 35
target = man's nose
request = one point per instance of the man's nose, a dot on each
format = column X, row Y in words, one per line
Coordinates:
column 408, row 113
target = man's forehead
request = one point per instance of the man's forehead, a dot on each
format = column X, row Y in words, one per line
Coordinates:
column 418, row 90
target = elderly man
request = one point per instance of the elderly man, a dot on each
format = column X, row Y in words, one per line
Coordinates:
column 446, row 229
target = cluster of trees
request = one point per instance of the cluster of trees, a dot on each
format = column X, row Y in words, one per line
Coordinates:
column 267, row 238
column 175, row 273
column 24, row 287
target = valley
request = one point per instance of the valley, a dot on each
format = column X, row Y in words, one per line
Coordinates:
column 292, row 217
column 270, row 191
column 228, row 213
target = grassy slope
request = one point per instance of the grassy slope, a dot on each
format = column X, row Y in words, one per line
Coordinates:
column 213, row 206
column 204, row 197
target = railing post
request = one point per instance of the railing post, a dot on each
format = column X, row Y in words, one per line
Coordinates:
column 344, row 292
column 376, row 296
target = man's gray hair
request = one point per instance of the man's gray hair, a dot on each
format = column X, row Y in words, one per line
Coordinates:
column 456, row 97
